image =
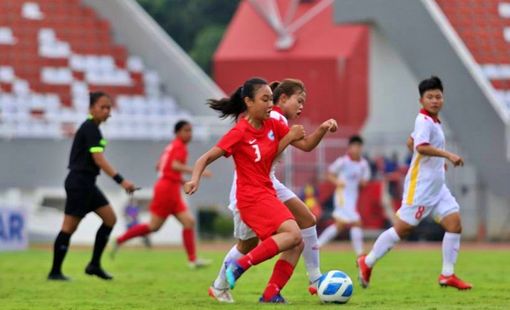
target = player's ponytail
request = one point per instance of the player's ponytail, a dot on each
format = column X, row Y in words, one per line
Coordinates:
column 288, row 87
column 274, row 85
column 235, row 105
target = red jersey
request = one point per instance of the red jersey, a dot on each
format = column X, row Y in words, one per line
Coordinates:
column 176, row 150
column 254, row 151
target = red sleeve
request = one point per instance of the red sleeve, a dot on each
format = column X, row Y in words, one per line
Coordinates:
column 181, row 154
column 280, row 129
column 229, row 141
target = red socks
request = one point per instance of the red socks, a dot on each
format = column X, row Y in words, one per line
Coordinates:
column 265, row 250
column 135, row 231
column 281, row 274
column 188, row 239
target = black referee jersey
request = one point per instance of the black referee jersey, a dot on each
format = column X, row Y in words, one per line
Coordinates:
column 83, row 196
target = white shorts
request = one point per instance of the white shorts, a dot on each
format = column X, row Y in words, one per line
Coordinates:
column 346, row 214
column 446, row 205
column 241, row 230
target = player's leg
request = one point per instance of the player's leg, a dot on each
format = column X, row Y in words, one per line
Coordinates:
column 332, row 230
column 307, row 222
column 107, row 214
column 246, row 241
column 356, row 235
column 78, row 197
column 188, row 237
column 61, row 246
column 407, row 218
column 220, row 289
column 282, row 272
column 447, row 212
column 288, row 236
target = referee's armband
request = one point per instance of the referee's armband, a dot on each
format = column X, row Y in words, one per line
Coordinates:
column 96, row 149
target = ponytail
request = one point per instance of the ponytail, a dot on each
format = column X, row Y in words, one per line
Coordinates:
column 235, row 105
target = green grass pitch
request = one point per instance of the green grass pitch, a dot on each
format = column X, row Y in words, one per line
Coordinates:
column 160, row 279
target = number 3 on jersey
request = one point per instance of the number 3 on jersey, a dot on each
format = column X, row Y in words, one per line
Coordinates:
column 257, row 152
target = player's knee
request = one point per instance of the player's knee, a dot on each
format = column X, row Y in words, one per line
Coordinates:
column 189, row 223
column 296, row 238
column 111, row 221
column 245, row 246
column 455, row 228
column 300, row 247
column 308, row 221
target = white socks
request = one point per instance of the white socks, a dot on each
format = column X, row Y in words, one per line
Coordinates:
column 232, row 255
column 328, row 234
column 357, row 240
column 451, row 245
column 382, row 245
column 311, row 253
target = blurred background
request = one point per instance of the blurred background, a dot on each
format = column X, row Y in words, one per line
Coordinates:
column 361, row 61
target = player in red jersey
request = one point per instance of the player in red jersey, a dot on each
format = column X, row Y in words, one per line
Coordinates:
column 254, row 142
column 289, row 97
column 167, row 198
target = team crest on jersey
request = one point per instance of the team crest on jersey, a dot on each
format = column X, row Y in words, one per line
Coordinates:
column 270, row 135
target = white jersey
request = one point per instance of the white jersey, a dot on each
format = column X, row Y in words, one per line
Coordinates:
column 282, row 192
column 426, row 175
column 351, row 172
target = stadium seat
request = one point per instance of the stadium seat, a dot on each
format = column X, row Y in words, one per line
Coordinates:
column 54, row 52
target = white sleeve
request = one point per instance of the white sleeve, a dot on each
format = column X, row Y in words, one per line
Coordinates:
column 336, row 166
column 422, row 130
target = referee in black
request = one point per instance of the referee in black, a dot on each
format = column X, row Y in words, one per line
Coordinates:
column 83, row 196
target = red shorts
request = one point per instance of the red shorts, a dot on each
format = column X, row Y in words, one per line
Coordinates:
column 167, row 199
column 264, row 216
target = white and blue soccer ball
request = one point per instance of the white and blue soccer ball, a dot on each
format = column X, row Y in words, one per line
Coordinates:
column 335, row 287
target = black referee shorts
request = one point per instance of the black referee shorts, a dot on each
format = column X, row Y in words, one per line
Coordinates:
column 83, row 196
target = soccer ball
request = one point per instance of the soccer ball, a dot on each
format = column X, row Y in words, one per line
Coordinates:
column 335, row 287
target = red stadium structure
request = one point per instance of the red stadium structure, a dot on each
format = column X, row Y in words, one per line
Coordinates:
column 331, row 60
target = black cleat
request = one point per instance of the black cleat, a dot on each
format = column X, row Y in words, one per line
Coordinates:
column 94, row 270
column 58, row 277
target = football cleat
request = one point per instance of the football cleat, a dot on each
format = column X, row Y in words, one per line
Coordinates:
column 199, row 263
column 93, row 270
column 364, row 271
column 58, row 277
column 276, row 299
column 115, row 249
column 453, row 281
column 221, row 295
column 312, row 288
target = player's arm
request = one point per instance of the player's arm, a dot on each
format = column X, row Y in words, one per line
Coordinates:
column 198, row 169
column 181, row 167
column 296, row 132
column 104, row 165
column 309, row 142
column 429, row 150
column 410, row 144
column 333, row 172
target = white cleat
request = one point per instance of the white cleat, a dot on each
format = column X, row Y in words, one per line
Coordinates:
column 115, row 249
column 221, row 295
column 200, row 263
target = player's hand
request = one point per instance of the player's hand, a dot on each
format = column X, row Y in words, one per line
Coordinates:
column 330, row 125
column 128, row 186
column 190, row 187
column 340, row 184
column 456, row 160
column 207, row 173
column 297, row 132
